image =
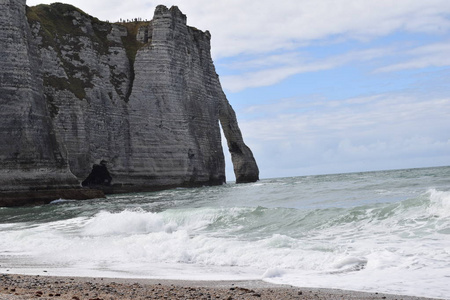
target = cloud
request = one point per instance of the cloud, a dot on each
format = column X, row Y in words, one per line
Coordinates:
column 265, row 26
column 382, row 131
column 273, row 69
column 236, row 83
column 384, row 115
column 432, row 55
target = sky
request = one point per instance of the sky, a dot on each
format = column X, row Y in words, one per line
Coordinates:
column 325, row 86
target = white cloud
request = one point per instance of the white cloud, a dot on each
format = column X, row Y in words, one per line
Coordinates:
column 266, row 72
column 378, row 132
column 433, row 55
column 236, row 83
column 264, row 26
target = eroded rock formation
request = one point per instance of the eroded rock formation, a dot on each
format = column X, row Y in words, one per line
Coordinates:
column 30, row 154
column 143, row 96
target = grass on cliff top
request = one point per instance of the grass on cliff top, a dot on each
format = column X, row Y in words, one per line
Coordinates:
column 55, row 24
column 53, row 21
column 59, row 28
column 57, row 21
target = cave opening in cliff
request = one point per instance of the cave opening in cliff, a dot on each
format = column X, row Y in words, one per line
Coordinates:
column 99, row 176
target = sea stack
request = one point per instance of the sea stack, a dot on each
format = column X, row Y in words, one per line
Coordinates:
column 140, row 98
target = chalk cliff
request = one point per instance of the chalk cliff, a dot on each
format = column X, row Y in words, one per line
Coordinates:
column 142, row 98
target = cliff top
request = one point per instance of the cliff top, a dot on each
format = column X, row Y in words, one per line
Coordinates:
column 50, row 17
column 57, row 20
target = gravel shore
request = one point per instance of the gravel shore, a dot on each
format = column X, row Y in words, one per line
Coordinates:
column 19, row 287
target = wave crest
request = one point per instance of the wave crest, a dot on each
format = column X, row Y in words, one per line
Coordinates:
column 127, row 222
column 439, row 203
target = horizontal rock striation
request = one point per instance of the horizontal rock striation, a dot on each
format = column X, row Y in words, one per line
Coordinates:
column 30, row 156
column 141, row 98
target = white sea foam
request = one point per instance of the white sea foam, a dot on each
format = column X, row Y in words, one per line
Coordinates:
column 397, row 245
column 61, row 201
column 273, row 273
column 439, row 204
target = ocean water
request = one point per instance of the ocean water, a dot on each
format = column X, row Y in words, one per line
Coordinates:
column 383, row 231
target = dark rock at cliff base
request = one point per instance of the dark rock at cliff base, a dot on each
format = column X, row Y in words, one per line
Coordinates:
column 143, row 96
column 23, row 198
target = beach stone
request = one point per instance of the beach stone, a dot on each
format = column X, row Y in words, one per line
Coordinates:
column 183, row 290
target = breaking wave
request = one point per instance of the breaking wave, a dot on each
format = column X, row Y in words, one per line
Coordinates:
column 378, row 245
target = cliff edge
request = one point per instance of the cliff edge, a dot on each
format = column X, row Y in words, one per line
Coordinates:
column 121, row 107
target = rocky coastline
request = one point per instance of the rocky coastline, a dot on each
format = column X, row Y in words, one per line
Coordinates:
column 142, row 98
column 21, row 287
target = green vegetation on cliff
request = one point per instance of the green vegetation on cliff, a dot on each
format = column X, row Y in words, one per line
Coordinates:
column 131, row 44
column 58, row 27
column 55, row 20
column 64, row 28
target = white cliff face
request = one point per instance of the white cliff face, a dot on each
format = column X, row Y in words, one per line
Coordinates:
column 87, row 77
column 173, row 100
column 143, row 97
column 30, row 155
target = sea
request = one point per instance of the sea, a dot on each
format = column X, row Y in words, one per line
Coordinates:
column 384, row 231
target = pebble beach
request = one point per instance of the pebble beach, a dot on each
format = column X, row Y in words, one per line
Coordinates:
column 19, row 287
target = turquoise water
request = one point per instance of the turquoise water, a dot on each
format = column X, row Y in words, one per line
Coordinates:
column 383, row 231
